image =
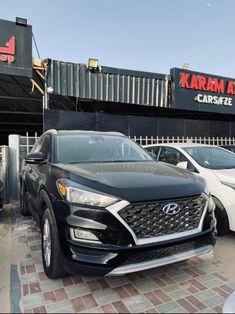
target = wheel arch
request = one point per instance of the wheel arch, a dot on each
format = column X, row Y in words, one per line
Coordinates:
column 223, row 208
column 44, row 202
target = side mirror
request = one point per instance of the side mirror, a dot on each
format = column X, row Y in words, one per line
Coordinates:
column 183, row 165
column 35, row 158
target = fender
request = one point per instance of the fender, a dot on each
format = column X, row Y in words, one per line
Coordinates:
column 44, row 198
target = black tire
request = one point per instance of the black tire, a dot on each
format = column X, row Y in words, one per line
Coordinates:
column 222, row 218
column 55, row 268
column 24, row 208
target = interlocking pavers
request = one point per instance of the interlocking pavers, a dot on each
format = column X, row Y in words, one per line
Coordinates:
column 167, row 307
column 200, row 284
column 213, row 301
column 205, row 295
column 179, row 293
column 106, row 297
column 120, row 307
column 137, row 304
column 212, row 284
column 48, row 285
column 33, row 300
column 60, row 307
column 77, row 290
column 109, row 308
column 144, row 285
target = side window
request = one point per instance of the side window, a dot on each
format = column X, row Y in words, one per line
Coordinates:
column 171, row 156
column 45, row 146
column 154, row 151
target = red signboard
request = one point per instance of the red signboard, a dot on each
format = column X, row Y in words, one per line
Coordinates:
column 7, row 52
column 15, row 49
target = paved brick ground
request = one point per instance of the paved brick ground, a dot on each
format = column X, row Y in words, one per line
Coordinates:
column 197, row 285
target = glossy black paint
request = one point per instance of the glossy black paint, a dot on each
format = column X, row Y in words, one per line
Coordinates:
column 1, row 195
column 134, row 182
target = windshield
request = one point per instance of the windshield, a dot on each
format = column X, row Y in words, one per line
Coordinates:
column 86, row 148
column 212, row 157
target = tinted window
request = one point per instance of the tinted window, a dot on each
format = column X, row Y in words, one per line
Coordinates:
column 231, row 148
column 171, row 156
column 75, row 148
column 154, row 150
column 212, row 157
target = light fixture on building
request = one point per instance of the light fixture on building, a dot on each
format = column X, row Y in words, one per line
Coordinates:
column 21, row 21
column 185, row 66
column 93, row 64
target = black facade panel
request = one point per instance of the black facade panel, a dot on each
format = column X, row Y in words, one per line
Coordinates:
column 171, row 127
column 138, row 126
column 196, row 128
column 143, row 126
column 220, row 128
column 69, row 120
column 232, row 129
column 107, row 122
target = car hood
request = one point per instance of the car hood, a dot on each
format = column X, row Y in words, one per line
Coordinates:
column 226, row 175
column 134, row 181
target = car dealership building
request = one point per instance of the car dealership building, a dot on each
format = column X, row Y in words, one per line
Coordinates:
column 43, row 94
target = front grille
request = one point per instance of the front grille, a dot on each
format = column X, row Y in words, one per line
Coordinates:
column 164, row 252
column 148, row 220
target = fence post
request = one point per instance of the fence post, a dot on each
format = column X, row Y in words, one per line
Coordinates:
column 14, row 166
column 27, row 142
column 4, row 157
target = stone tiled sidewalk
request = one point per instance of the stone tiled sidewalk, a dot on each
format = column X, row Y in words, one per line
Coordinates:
column 197, row 285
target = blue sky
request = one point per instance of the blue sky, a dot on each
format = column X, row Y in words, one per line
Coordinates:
column 148, row 35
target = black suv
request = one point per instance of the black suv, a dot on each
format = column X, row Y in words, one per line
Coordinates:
column 105, row 207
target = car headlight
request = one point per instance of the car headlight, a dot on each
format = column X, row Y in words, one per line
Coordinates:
column 79, row 196
column 230, row 185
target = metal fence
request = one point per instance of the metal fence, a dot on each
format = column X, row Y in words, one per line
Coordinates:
column 4, row 170
column 219, row 141
column 19, row 146
column 25, row 144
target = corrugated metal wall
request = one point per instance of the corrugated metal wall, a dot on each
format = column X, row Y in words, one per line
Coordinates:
column 110, row 84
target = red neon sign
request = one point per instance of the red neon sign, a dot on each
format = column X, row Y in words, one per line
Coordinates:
column 7, row 53
column 208, row 84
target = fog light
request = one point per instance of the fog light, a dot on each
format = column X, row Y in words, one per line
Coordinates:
column 84, row 235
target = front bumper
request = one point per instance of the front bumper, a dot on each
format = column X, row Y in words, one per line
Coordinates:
column 117, row 252
column 99, row 260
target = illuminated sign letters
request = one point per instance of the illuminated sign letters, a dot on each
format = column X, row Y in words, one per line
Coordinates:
column 202, row 92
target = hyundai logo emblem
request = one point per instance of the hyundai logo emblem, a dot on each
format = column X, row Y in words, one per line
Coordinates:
column 171, row 209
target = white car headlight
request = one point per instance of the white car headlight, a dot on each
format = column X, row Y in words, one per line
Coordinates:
column 230, row 185
column 80, row 196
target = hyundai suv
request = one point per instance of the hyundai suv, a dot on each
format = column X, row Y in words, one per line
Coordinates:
column 105, row 207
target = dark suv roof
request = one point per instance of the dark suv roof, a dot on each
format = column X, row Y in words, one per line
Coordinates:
column 53, row 131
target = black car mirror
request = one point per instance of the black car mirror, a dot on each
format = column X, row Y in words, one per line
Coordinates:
column 35, row 158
